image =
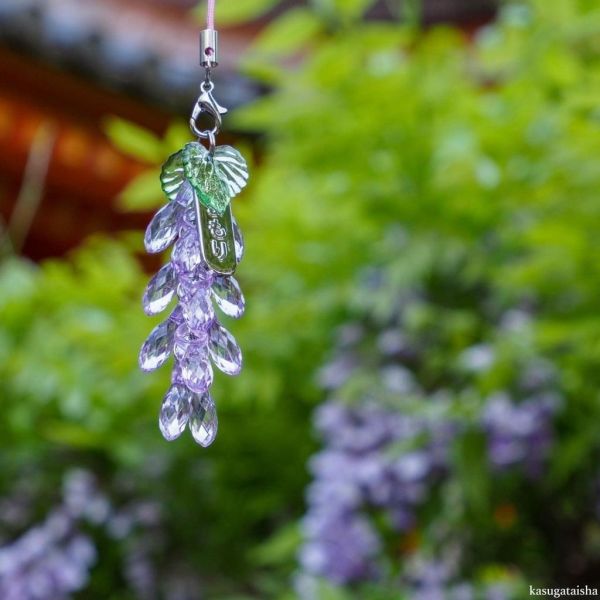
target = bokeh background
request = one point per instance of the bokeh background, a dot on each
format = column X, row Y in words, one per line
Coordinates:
column 419, row 413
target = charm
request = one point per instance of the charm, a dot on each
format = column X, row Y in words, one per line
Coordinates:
column 207, row 246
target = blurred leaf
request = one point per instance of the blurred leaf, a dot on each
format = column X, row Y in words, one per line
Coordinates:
column 347, row 9
column 134, row 140
column 281, row 548
column 290, row 33
column 142, row 193
column 240, row 11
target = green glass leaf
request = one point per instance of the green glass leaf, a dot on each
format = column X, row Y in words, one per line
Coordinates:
column 232, row 168
column 217, row 178
column 172, row 175
column 202, row 172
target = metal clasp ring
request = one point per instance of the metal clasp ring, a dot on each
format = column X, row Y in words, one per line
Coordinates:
column 206, row 104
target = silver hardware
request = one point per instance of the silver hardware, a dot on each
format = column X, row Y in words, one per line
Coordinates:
column 209, row 48
column 206, row 104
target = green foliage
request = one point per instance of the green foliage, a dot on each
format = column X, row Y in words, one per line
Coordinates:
column 490, row 147
column 73, row 396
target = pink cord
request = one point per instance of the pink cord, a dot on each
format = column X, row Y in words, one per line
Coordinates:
column 210, row 15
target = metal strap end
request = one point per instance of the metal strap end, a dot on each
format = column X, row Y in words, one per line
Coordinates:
column 209, row 48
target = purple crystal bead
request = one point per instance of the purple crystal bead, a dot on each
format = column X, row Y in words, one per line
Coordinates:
column 190, row 283
column 162, row 230
column 203, row 421
column 198, row 311
column 157, row 348
column 184, row 337
column 186, row 253
column 228, row 296
column 224, row 350
column 196, row 370
column 238, row 239
column 160, row 291
column 175, row 412
column 185, row 195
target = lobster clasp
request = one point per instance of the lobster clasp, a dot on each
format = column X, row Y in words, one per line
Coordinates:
column 207, row 104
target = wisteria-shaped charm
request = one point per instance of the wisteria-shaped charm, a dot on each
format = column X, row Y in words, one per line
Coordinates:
column 207, row 246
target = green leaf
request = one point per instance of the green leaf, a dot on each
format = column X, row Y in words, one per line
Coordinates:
column 143, row 193
column 134, row 140
column 240, row 11
column 345, row 9
column 289, row 33
column 280, row 548
column 176, row 137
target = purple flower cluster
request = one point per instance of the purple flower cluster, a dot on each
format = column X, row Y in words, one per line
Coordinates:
column 360, row 469
column 192, row 333
column 435, row 579
column 48, row 562
column 52, row 560
column 397, row 405
column 519, row 434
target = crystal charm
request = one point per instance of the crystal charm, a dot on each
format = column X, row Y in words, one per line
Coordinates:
column 184, row 337
column 232, row 168
column 203, row 419
column 175, row 412
column 198, row 312
column 202, row 172
column 217, row 178
column 238, row 241
column 157, row 348
column 228, row 296
column 160, row 291
column 224, row 350
column 207, row 247
column 185, row 195
column 162, row 230
column 186, row 254
column 196, row 370
column 172, row 176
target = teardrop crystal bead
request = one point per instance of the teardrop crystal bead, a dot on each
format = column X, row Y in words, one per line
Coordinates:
column 175, row 412
column 185, row 195
column 160, row 290
column 157, row 348
column 184, row 337
column 228, row 296
column 203, row 419
column 195, row 369
column 224, row 350
column 198, row 311
column 238, row 238
column 191, row 283
column 162, row 230
column 186, row 255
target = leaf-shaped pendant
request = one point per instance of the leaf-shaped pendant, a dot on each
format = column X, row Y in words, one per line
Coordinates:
column 202, row 172
column 217, row 177
column 232, row 168
column 172, row 175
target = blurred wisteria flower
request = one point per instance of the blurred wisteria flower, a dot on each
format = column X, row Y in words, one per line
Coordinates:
column 409, row 379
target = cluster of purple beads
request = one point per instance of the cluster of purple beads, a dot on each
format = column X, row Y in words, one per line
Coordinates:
column 192, row 333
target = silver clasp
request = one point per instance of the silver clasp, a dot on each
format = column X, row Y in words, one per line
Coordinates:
column 206, row 104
